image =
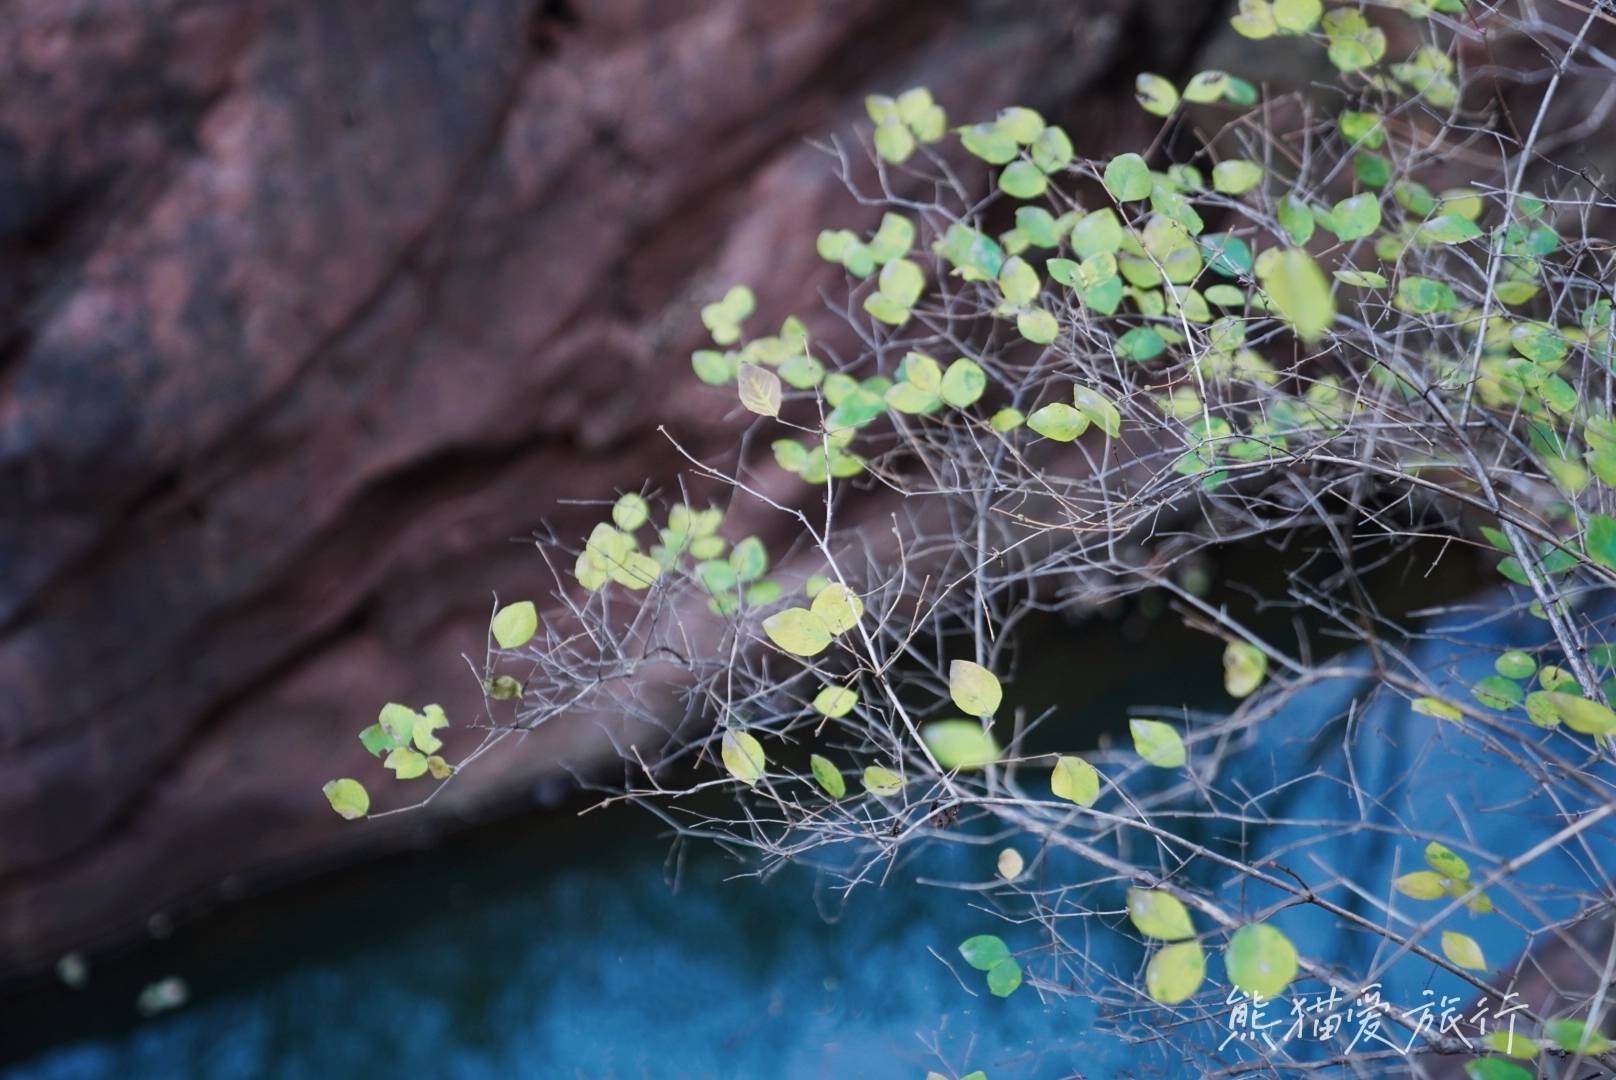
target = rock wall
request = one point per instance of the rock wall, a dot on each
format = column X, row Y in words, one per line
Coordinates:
column 310, row 308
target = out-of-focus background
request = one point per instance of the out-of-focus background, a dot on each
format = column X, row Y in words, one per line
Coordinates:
column 310, row 312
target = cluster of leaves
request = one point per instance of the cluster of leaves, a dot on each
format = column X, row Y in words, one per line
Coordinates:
column 1078, row 384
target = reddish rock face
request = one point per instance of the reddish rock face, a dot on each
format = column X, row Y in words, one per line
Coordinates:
column 307, row 309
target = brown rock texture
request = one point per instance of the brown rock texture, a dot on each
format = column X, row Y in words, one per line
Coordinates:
column 310, row 308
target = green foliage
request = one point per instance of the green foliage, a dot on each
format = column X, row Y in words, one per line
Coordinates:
column 348, row 798
column 515, row 624
column 1260, row 960
column 1158, row 743
column 743, row 757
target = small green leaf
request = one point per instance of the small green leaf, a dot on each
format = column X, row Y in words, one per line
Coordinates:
column 963, row 383
column 630, row 512
column 835, row 701
column 1420, row 885
column 1127, row 178
column 515, row 624
column 1098, row 233
column 1356, row 217
column 990, row 143
column 1497, row 692
column 1007, row 420
column 984, row 951
column 1023, row 180
column 1497, row 1068
column 1446, row 863
column 1236, row 177
column 348, row 798
column 1582, row 715
column 1513, row 1044
column 828, row 775
column 1095, row 406
column 1600, row 540
column 1058, row 421
column 837, row 608
column 1463, row 950
column 1430, row 706
column 798, row 631
column 1297, row 16
column 1052, row 150
column 1296, row 219
column 430, row 719
column 1255, row 20
column 743, row 757
column 1243, row 668
column 1160, row 915
column 1260, row 960
column 1363, row 279
column 960, row 744
column 1004, row 977
column 1018, row 281
column 1448, row 229
column 911, row 400
column 1155, row 94
column 1515, row 665
column 1176, row 972
column 760, row 389
column 880, row 781
column 1157, row 743
column 1037, row 326
column 974, row 688
column 902, row 282
column 406, row 764
column 893, row 140
column 1574, row 1036
column 1206, row 87
column 1075, row 780
column 1297, row 290
column 1141, row 343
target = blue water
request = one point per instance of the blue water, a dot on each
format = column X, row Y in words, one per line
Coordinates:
column 548, row 950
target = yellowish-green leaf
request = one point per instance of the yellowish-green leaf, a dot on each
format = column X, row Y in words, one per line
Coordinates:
column 1512, row 1043
column 515, row 624
column 1058, row 421
column 1176, row 972
column 880, row 781
column 974, row 688
column 429, row 720
column 798, row 631
column 963, row 383
column 1421, row 885
column 1127, row 178
column 1463, row 950
column 1098, row 408
column 1155, row 94
column 1158, row 914
column 1297, row 16
column 828, row 775
column 1430, row 706
column 1297, row 290
column 837, row 608
column 1260, row 960
column 348, row 798
column 630, row 512
column 759, row 388
column 1157, row 743
column 1582, row 714
column 1243, row 668
column 406, row 764
column 743, row 757
column 1075, row 780
column 960, row 744
column 1236, row 177
column 835, row 701
column 1446, row 863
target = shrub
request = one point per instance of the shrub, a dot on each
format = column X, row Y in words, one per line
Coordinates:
column 1341, row 314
